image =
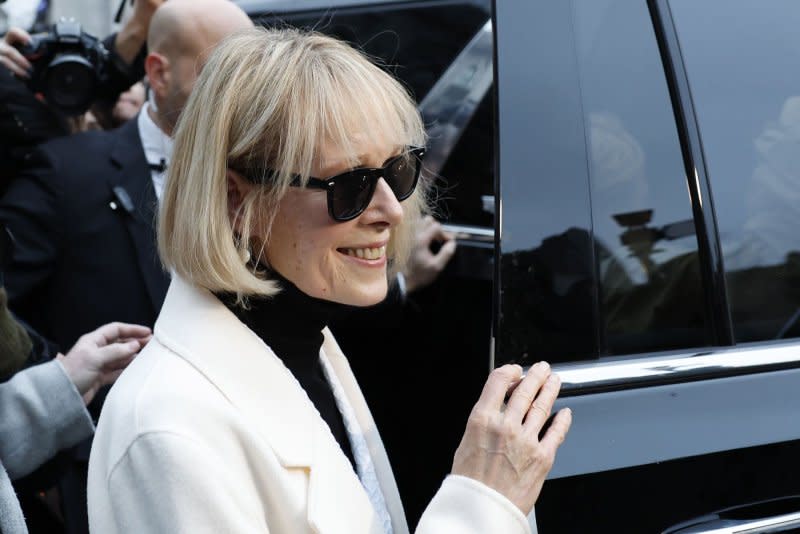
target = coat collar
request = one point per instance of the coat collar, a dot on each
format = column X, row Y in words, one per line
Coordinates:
column 133, row 180
column 380, row 460
column 199, row 328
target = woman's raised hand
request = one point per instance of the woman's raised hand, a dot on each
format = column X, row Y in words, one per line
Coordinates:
column 501, row 446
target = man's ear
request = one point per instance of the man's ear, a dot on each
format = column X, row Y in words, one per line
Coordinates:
column 238, row 188
column 157, row 68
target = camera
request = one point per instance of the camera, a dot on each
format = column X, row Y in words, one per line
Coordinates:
column 68, row 65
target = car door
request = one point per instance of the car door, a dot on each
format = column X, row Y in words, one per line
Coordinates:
column 647, row 199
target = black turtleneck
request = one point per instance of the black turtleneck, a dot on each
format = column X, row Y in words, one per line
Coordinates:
column 291, row 324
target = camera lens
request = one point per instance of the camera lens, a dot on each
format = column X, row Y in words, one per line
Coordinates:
column 69, row 83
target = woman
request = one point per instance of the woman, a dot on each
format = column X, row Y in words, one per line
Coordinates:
column 292, row 196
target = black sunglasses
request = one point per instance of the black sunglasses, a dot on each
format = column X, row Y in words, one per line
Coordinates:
column 349, row 193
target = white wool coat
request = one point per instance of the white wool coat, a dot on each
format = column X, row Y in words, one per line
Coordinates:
column 208, row 432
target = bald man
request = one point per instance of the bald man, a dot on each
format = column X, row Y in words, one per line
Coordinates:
column 83, row 216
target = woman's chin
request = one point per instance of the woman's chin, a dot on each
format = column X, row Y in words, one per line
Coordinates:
column 362, row 297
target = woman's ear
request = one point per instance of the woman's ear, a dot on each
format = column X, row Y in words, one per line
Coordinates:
column 238, row 188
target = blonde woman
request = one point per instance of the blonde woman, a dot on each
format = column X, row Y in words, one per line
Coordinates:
column 293, row 194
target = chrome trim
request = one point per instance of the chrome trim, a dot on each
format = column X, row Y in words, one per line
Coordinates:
column 757, row 526
column 462, row 232
column 626, row 374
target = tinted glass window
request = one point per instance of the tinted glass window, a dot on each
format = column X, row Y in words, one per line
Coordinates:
column 641, row 212
column 743, row 63
column 635, row 258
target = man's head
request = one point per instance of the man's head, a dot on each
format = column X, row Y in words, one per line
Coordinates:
column 181, row 36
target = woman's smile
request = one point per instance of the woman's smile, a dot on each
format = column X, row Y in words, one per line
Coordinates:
column 371, row 255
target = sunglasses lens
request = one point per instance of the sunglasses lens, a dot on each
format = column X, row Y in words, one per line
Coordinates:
column 402, row 174
column 351, row 194
column 352, row 191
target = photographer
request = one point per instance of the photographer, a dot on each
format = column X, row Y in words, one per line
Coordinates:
column 26, row 121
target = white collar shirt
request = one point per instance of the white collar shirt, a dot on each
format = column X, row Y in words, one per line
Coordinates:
column 157, row 148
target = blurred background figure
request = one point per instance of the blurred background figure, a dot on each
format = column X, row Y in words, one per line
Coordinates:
column 42, row 408
column 128, row 104
column 433, row 249
column 103, row 204
column 772, row 208
column 28, row 117
column 25, row 14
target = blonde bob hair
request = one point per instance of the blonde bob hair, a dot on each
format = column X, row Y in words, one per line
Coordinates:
column 269, row 99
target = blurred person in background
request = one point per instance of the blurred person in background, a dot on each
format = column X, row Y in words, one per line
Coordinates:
column 128, row 104
column 103, row 203
column 27, row 120
column 24, row 14
column 83, row 213
column 126, row 108
column 43, row 408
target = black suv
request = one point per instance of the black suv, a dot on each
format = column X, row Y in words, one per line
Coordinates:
column 624, row 180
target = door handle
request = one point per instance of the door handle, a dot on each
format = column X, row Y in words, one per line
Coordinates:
column 766, row 517
column 475, row 235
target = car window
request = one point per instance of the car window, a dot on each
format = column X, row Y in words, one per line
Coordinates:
column 635, row 260
column 648, row 274
column 743, row 64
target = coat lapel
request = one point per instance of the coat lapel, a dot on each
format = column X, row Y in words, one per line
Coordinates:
column 199, row 328
column 133, row 180
column 377, row 451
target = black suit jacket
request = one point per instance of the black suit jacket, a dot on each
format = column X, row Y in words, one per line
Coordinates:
column 84, row 254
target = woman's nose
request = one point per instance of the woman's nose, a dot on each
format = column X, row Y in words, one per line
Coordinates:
column 384, row 206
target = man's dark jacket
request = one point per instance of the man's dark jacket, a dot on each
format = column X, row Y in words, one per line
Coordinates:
column 83, row 221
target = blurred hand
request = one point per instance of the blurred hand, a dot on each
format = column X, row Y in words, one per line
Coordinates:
column 423, row 265
column 132, row 35
column 10, row 57
column 143, row 10
column 99, row 357
column 501, row 445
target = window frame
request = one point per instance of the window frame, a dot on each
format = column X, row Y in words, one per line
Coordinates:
column 708, row 241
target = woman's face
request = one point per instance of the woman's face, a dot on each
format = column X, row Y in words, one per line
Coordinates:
column 343, row 262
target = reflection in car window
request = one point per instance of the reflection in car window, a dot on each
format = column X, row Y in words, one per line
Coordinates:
column 743, row 63
column 649, row 278
column 598, row 249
